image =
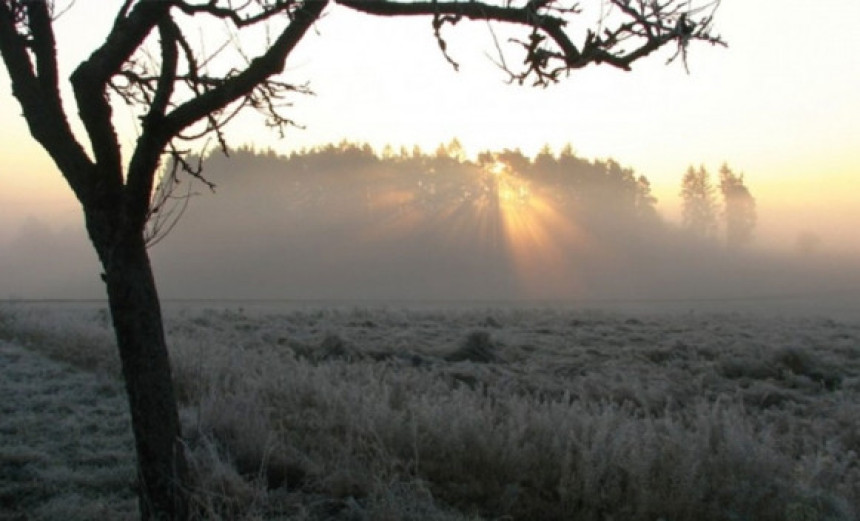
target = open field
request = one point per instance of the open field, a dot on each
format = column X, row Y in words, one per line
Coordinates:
column 372, row 412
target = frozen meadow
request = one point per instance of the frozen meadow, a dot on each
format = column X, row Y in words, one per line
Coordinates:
column 499, row 412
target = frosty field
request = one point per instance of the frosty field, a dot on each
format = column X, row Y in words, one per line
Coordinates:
column 374, row 412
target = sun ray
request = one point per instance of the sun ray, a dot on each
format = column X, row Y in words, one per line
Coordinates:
column 539, row 239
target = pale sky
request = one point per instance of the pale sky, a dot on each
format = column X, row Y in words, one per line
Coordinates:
column 780, row 104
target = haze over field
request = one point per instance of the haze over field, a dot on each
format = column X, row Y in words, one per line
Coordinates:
column 341, row 222
column 777, row 106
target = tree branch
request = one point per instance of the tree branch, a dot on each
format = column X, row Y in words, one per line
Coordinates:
column 44, row 48
column 219, row 96
column 124, row 39
column 473, row 10
column 37, row 92
column 141, row 175
column 90, row 81
column 170, row 35
column 232, row 13
column 258, row 72
column 654, row 24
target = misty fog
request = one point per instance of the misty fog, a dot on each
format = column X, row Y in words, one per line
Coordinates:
column 341, row 222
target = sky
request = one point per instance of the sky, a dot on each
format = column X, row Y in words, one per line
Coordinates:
column 779, row 104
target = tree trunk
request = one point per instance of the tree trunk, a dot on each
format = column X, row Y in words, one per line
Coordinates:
column 136, row 314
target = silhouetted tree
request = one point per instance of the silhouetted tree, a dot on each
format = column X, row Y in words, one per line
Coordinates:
column 178, row 96
column 738, row 208
column 646, row 209
column 454, row 150
column 514, row 159
column 699, row 203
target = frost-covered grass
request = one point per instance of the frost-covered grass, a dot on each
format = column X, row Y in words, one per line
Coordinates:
column 65, row 442
column 359, row 413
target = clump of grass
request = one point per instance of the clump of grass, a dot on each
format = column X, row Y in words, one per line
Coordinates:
column 333, row 347
column 803, row 362
column 478, row 347
column 752, row 366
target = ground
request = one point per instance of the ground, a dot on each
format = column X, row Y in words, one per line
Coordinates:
column 357, row 412
column 65, row 442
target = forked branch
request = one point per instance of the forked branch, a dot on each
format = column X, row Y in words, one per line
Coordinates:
column 634, row 29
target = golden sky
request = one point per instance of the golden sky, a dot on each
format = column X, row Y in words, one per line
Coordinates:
column 780, row 104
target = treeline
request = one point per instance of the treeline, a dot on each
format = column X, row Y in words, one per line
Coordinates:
column 352, row 178
column 347, row 221
column 344, row 220
column 348, row 178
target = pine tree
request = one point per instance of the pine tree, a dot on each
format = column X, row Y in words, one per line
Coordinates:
column 646, row 210
column 699, row 203
column 739, row 208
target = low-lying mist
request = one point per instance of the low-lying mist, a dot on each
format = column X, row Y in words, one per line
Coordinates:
column 344, row 223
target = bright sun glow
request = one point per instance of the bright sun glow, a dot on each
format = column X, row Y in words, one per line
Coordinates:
column 535, row 235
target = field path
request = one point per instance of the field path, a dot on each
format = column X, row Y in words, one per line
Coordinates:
column 66, row 450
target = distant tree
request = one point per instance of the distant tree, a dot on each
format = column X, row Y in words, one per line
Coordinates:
column 567, row 151
column 454, row 150
column 646, row 203
column 442, row 152
column 699, row 203
column 569, row 170
column 486, row 158
column 545, row 150
column 739, row 208
column 515, row 159
column 150, row 62
column 544, row 162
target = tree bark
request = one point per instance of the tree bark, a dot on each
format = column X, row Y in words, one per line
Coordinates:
column 137, row 321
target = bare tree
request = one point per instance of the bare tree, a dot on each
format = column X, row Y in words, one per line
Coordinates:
column 181, row 92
